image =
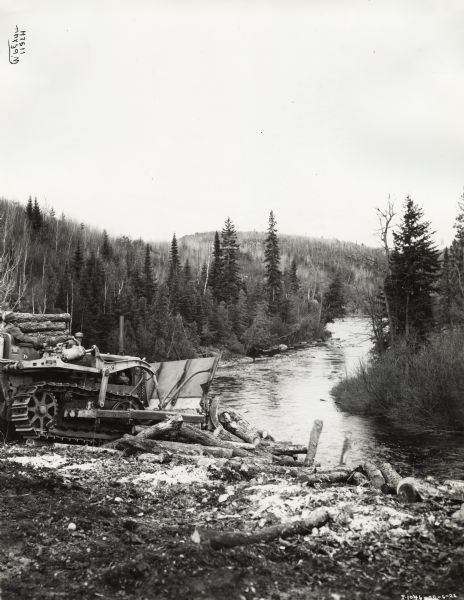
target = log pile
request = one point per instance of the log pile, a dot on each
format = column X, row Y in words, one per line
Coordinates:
column 245, row 453
column 36, row 329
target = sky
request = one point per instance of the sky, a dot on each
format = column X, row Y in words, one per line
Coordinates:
column 151, row 117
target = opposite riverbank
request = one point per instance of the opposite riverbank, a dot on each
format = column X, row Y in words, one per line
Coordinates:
column 80, row 524
column 416, row 391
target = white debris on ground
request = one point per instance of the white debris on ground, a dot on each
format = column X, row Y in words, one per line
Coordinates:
column 181, row 474
column 86, row 466
column 46, row 461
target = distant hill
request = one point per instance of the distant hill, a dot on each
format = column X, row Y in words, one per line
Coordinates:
column 51, row 264
column 318, row 259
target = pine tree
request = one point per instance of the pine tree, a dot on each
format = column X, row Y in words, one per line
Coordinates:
column 107, row 251
column 334, row 302
column 37, row 217
column 217, row 268
column 148, row 277
column 78, row 260
column 456, row 267
column 414, row 273
column 173, row 276
column 231, row 280
column 29, row 210
column 272, row 263
column 294, row 282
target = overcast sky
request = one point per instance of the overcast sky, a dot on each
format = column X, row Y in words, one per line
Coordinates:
column 148, row 117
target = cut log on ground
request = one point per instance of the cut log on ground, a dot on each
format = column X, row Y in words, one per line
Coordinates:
column 132, row 444
column 286, row 461
column 158, row 430
column 358, row 478
column 234, row 423
column 195, row 435
column 390, row 475
column 410, row 489
column 313, row 442
column 334, row 476
column 282, row 449
column 373, row 473
column 265, row 435
column 223, row 434
column 229, row 539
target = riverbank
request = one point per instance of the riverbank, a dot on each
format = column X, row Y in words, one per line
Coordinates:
column 75, row 523
column 416, row 391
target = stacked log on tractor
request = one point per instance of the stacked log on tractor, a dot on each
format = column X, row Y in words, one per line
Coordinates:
column 37, row 329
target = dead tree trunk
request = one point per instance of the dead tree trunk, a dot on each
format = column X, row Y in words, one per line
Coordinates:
column 373, row 474
column 229, row 539
column 390, row 475
column 195, row 435
column 411, row 489
column 156, row 431
column 238, row 426
column 313, row 442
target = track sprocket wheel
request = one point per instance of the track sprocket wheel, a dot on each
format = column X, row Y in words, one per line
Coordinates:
column 41, row 410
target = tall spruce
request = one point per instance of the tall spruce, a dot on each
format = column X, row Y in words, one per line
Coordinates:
column 148, row 277
column 231, row 277
column 37, row 217
column 173, row 276
column 456, row 267
column 217, row 268
column 106, row 251
column 272, row 266
column 414, row 274
column 334, row 300
column 29, row 210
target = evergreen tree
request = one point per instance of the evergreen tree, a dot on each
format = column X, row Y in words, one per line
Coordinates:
column 272, row 262
column 187, row 271
column 148, row 277
column 414, row 273
column 37, row 217
column 217, row 268
column 231, row 279
column 173, row 277
column 107, row 251
column 334, row 302
column 456, row 267
column 294, row 282
column 240, row 315
column 446, row 298
column 78, row 260
column 29, row 210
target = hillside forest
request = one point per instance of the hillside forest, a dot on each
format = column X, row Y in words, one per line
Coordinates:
column 228, row 290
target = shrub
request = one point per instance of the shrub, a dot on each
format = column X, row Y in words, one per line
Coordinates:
column 415, row 391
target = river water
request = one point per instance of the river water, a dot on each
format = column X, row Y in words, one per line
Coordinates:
column 285, row 393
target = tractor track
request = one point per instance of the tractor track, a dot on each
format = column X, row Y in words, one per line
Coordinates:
column 34, row 408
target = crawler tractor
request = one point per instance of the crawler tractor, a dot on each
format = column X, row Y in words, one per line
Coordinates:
column 68, row 392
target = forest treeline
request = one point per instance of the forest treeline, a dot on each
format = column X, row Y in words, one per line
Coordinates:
column 225, row 290
column 415, row 376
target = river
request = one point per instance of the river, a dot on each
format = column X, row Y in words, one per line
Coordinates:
column 285, row 393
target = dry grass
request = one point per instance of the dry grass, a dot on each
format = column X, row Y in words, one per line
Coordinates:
column 415, row 391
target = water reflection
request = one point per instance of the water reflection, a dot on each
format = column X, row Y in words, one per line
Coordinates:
column 285, row 393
